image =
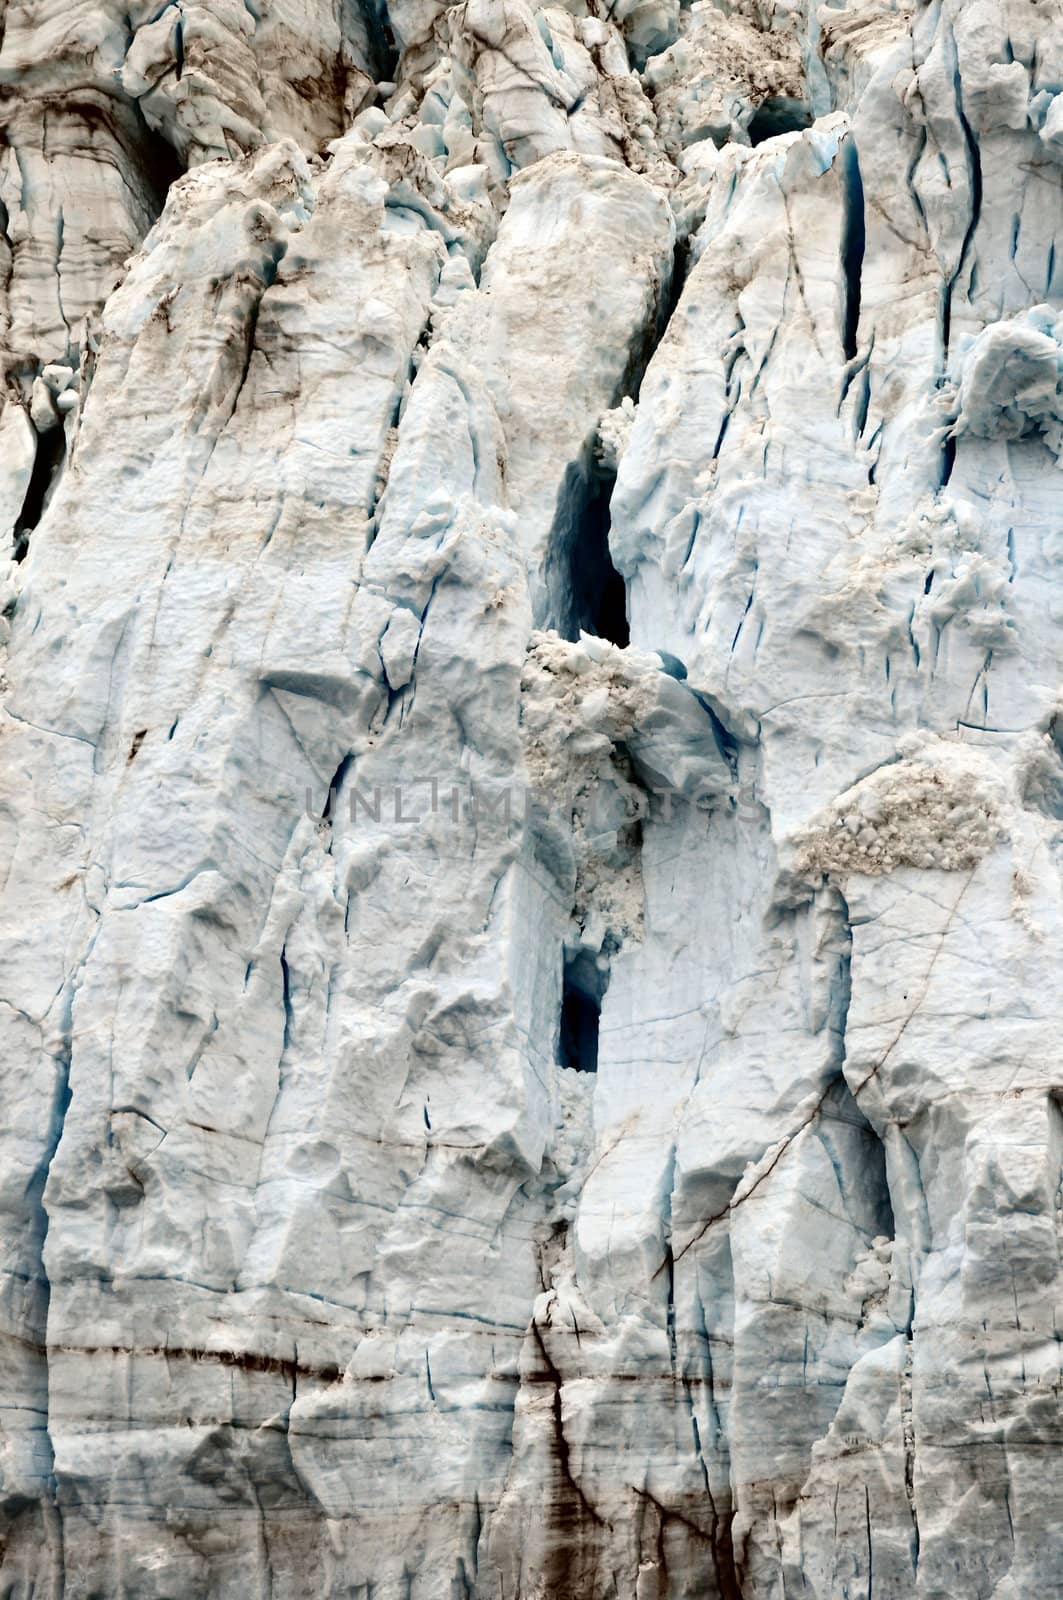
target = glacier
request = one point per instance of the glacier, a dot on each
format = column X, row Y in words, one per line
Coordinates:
column 532, row 799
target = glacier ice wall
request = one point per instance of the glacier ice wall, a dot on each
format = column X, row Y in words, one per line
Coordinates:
column 532, row 799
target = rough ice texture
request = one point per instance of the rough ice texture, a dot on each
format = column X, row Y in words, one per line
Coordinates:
column 938, row 809
column 532, row 794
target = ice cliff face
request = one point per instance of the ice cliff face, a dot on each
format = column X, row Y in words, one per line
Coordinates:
column 532, row 799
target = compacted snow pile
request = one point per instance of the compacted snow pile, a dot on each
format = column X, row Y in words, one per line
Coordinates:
column 532, row 809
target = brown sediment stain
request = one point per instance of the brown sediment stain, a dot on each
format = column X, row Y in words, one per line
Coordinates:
column 245, row 1360
column 716, row 1539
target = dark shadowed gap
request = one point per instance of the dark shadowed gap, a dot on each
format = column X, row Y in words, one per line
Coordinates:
column 599, row 592
column 47, row 465
column 155, row 157
column 586, row 591
column 948, row 458
column 580, row 1016
column 381, row 40
column 779, row 114
column 335, row 787
column 853, row 242
column 583, row 987
column 671, row 292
